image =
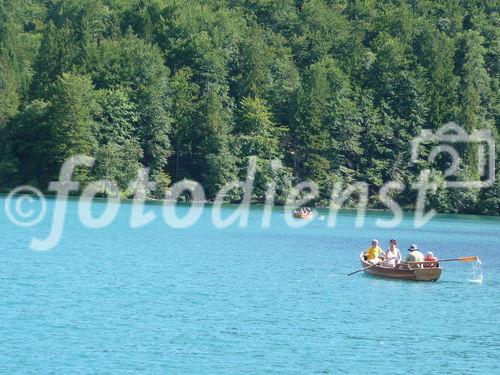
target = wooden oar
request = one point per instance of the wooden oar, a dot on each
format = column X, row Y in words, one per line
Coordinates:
column 460, row 259
column 362, row 269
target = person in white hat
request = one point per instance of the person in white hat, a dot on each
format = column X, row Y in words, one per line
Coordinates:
column 414, row 255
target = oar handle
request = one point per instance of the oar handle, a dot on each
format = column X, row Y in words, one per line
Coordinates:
column 361, row 269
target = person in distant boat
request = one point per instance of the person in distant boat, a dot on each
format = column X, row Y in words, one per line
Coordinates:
column 393, row 255
column 373, row 252
column 429, row 257
column 414, row 255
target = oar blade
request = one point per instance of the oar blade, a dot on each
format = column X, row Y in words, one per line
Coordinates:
column 468, row 259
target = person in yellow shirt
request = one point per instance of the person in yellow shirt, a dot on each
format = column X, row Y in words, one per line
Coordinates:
column 373, row 252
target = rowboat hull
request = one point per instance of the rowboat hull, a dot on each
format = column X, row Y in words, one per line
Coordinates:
column 302, row 216
column 403, row 272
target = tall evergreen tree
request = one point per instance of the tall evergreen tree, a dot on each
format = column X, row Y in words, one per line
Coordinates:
column 474, row 88
column 183, row 105
column 216, row 143
column 71, row 120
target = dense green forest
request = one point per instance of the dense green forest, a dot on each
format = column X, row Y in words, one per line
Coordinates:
column 335, row 89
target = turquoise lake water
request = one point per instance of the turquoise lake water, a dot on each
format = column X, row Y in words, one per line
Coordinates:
column 249, row 300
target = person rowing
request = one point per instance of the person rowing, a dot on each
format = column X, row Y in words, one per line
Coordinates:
column 372, row 254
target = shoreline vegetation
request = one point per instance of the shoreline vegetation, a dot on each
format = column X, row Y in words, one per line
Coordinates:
column 321, row 209
column 318, row 90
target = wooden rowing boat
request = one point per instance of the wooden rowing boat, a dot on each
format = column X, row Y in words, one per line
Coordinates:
column 404, row 271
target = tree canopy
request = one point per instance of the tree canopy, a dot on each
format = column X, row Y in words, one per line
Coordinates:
column 335, row 90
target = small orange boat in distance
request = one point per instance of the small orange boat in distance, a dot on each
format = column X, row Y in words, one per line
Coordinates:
column 302, row 215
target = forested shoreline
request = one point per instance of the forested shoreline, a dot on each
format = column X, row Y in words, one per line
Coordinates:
column 335, row 90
